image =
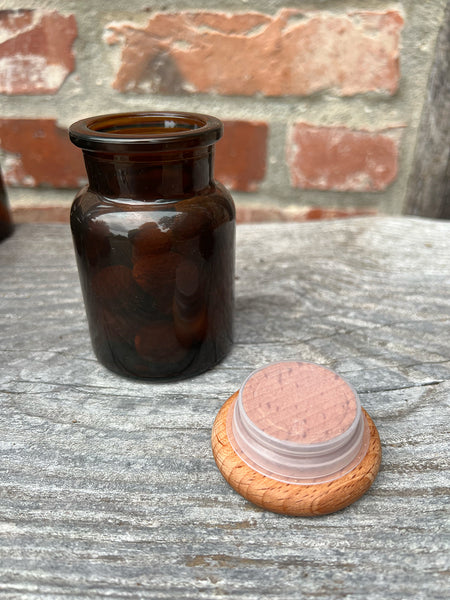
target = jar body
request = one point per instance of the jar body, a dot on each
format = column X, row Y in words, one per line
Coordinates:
column 157, row 267
column 6, row 224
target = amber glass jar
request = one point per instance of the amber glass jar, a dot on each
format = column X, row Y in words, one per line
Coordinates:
column 6, row 224
column 154, row 240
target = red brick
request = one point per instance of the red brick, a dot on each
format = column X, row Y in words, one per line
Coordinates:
column 35, row 52
column 338, row 158
column 241, row 155
column 38, row 152
column 289, row 53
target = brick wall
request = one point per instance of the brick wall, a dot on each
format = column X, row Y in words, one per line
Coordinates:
column 320, row 102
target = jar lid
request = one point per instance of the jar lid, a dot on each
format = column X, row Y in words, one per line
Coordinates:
column 298, row 425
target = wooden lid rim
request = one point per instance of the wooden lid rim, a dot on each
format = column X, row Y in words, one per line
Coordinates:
column 287, row 498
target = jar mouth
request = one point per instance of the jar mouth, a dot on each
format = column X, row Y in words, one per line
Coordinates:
column 262, row 423
column 139, row 131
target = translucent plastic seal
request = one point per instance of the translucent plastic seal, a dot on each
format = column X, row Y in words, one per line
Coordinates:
column 298, row 423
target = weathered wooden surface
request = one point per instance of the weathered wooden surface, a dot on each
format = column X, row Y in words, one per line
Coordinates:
column 108, row 488
column 428, row 191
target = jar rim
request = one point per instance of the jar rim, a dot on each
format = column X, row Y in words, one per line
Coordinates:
column 146, row 130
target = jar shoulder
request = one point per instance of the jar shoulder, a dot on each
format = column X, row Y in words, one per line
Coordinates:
column 90, row 204
column 225, row 196
column 212, row 208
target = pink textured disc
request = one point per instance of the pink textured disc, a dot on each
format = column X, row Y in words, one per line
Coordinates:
column 299, row 402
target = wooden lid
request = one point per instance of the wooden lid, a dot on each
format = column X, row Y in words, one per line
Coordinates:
column 295, row 440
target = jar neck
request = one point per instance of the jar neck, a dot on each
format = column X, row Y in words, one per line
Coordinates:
column 150, row 176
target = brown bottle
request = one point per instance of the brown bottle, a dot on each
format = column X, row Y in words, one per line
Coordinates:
column 6, row 224
column 154, row 238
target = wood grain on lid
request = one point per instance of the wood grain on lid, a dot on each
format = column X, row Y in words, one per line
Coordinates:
column 287, row 498
column 299, row 402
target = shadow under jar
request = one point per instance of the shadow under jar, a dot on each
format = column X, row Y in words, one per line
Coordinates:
column 154, row 237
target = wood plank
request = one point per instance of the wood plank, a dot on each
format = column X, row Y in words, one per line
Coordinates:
column 108, row 487
column 428, row 192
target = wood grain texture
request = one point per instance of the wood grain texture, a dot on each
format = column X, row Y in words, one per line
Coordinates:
column 428, row 193
column 285, row 498
column 108, row 487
